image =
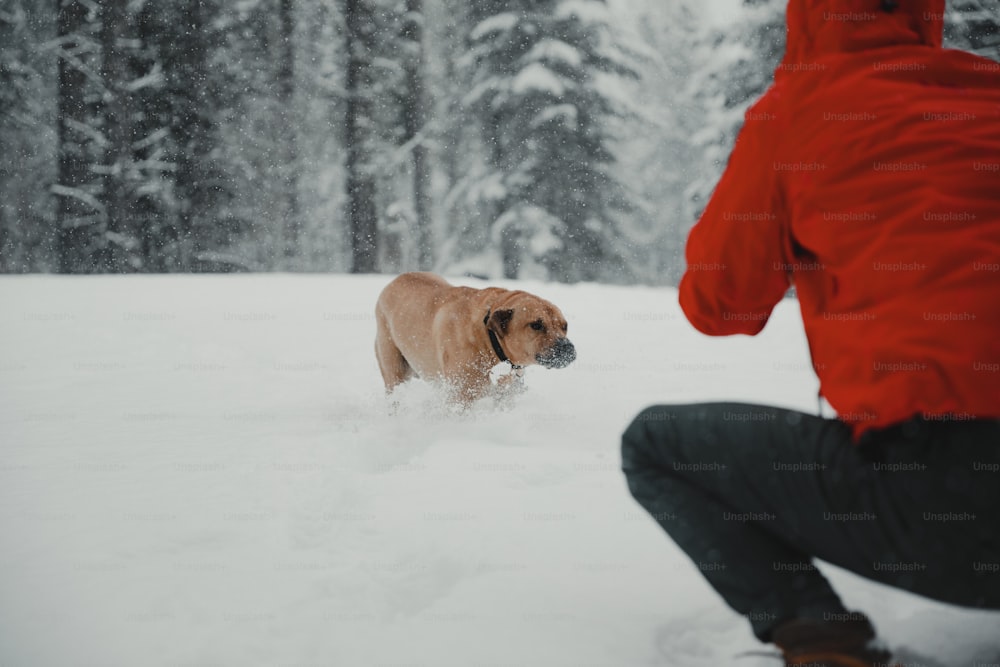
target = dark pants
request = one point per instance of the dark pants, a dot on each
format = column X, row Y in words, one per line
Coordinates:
column 752, row 494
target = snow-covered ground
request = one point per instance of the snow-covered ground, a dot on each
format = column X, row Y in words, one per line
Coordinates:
column 201, row 471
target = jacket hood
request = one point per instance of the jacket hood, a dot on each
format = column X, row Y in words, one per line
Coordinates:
column 818, row 28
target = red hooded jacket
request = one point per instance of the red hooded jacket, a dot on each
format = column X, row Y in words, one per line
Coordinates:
column 868, row 176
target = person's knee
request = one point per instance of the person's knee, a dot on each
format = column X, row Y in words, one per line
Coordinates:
column 647, row 438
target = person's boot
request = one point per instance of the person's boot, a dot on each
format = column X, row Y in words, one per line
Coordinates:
column 848, row 643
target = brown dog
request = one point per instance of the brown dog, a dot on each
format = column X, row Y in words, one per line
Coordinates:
column 434, row 330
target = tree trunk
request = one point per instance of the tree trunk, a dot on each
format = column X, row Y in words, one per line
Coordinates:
column 510, row 236
column 76, row 215
column 414, row 118
column 151, row 211
column 362, row 215
column 292, row 229
column 194, row 178
column 118, row 146
column 510, row 252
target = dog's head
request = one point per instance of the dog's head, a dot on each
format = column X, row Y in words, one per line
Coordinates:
column 531, row 330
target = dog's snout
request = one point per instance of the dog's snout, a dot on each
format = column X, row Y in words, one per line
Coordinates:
column 561, row 354
column 564, row 348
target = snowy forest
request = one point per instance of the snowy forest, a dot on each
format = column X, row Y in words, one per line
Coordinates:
column 563, row 140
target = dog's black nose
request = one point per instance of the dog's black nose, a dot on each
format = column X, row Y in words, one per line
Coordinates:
column 561, row 354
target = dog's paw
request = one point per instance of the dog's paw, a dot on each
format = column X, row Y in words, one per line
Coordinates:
column 507, row 388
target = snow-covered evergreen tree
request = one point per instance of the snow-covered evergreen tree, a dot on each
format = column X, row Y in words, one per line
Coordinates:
column 733, row 66
column 544, row 93
column 402, row 135
column 122, row 173
column 658, row 154
column 28, row 78
column 324, row 243
column 185, row 111
column 973, row 25
column 77, row 188
column 133, row 191
column 455, row 139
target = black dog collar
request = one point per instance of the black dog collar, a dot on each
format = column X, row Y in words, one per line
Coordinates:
column 495, row 342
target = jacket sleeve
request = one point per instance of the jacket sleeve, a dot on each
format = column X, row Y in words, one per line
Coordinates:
column 737, row 266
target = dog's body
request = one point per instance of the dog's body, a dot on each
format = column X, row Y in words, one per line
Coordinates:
column 434, row 330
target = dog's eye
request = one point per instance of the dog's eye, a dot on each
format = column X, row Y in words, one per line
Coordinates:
column 537, row 325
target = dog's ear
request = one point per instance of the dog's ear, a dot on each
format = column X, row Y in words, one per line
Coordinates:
column 500, row 320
